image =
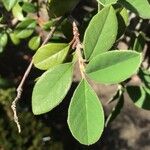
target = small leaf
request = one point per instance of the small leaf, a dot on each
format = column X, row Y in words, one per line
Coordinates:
column 114, row 66
column 107, row 2
column 29, row 7
column 139, row 97
column 139, row 43
column 50, row 55
column 17, row 12
column 14, row 39
column 9, row 4
column 47, row 25
column 25, row 28
column 1, row 49
column 85, row 115
column 3, row 39
column 51, row 88
column 101, row 33
column 34, row 43
column 125, row 16
column 140, row 7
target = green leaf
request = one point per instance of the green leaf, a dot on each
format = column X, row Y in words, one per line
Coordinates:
column 1, row 49
column 9, row 4
column 123, row 19
column 50, row 55
column 145, row 77
column 85, row 115
column 139, row 43
column 107, row 2
column 101, row 33
column 139, row 97
column 114, row 66
column 29, row 7
column 34, row 43
column 57, row 8
column 25, row 28
column 125, row 16
column 17, row 12
column 3, row 39
column 47, row 25
column 140, row 7
column 14, row 38
column 51, row 88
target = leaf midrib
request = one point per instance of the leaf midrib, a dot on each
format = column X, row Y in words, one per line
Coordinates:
column 100, row 31
column 86, row 107
column 96, row 70
column 50, row 57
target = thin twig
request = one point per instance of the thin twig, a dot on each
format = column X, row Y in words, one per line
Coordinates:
column 76, row 43
column 20, row 87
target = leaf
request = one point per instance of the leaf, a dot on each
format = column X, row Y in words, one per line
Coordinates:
column 29, row 7
column 25, row 28
column 14, row 39
column 125, row 16
column 50, row 55
column 101, row 33
column 107, row 2
column 47, row 25
column 51, row 88
column 85, row 115
column 139, row 43
column 140, row 7
column 9, row 4
column 1, row 49
column 34, row 42
column 57, row 8
column 115, row 111
column 139, row 97
column 122, row 17
column 114, row 66
column 145, row 76
column 3, row 39
column 17, row 12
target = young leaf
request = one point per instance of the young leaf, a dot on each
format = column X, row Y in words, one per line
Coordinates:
column 9, row 4
column 50, row 55
column 140, row 7
column 34, row 43
column 25, row 28
column 85, row 115
column 139, row 97
column 101, row 33
column 114, row 66
column 107, row 2
column 51, row 88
